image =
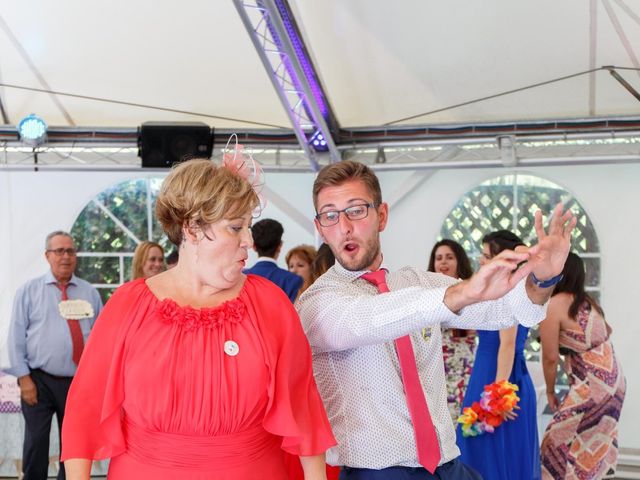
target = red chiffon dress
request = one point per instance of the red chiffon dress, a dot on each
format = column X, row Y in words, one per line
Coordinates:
column 171, row 392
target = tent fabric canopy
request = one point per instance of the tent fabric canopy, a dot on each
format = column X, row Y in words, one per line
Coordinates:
column 380, row 62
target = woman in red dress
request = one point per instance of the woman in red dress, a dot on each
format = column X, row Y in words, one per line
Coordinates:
column 199, row 372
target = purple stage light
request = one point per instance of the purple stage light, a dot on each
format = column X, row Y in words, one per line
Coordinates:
column 303, row 58
column 318, row 142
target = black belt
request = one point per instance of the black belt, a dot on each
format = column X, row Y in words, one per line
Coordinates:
column 55, row 377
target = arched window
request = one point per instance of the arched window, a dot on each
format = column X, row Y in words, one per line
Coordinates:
column 509, row 202
column 110, row 227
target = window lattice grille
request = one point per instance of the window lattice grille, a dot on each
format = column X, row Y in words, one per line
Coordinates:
column 110, row 227
column 509, row 202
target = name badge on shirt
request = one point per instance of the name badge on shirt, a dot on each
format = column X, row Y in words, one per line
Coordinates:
column 426, row 334
column 75, row 309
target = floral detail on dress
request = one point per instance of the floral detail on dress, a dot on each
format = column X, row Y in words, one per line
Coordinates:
column 190, row 319
column 458, row 353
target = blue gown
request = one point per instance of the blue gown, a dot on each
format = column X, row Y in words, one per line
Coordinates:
column 512, row 452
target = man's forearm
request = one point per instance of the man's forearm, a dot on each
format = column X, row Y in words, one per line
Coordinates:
column 513, row 308
column 18, row 366
column 370, row 320
column 456, row 297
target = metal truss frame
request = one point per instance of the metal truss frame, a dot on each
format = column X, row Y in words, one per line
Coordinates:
column 268, row 32
column 416, row 155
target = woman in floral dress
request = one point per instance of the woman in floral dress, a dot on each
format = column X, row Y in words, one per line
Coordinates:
column 458, row 346
column 581, row 442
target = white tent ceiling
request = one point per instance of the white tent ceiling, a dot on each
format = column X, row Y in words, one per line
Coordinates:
column 379, row 61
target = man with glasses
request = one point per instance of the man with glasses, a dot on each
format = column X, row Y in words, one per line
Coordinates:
column 51, row 320
column 381, row 380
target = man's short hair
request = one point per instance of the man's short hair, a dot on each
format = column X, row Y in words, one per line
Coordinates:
column 341, row 172
column 172, row 258
column 47, row 240
column 267, row 237
column 501, row 240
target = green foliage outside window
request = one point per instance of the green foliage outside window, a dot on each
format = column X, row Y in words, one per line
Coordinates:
column 110, row 227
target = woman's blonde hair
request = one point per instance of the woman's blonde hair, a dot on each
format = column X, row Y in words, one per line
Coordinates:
column 306, row 252
column 198, row 192
column 140, row 257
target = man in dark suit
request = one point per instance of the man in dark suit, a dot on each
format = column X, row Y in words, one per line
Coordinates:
column 267, row 242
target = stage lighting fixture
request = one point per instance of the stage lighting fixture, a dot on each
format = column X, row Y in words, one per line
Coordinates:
column 507, row 147
column 318, row 142
column 32, row 130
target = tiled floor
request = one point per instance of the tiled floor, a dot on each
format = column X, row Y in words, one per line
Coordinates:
column 629, row 468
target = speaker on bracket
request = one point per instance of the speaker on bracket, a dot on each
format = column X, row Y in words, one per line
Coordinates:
column 161, row 145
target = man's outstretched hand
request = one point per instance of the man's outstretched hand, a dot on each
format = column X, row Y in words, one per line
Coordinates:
column 493, row 280
column 547, row 257
column 499, row 276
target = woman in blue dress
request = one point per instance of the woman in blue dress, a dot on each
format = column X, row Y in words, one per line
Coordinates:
column 512, row 450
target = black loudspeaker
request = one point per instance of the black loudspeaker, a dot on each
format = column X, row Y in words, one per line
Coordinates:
column 160, row 145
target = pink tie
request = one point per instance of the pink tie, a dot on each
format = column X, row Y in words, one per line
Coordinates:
column 423, row 429
column 77, row 340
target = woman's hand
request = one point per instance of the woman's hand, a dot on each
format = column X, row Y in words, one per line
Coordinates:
column 77, row 468
column 553, row 401
column 314, row 467
column 512, row 415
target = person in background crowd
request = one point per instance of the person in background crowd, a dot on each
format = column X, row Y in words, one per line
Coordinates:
column 582, row 439
column 148, row 260
column 458, row 345
column 382, row 384
column 511, row 452
column 324, row 261
column 51, row 321
column 199, row 372
column 267, row 242
column 299, row 260
column 172, row 259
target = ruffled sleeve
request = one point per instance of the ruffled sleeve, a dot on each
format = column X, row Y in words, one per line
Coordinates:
column 92, row 422
column 295, row 410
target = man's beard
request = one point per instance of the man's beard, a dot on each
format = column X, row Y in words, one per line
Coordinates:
column 372, row 248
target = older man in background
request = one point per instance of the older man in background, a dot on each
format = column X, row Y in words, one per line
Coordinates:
column 51, row 320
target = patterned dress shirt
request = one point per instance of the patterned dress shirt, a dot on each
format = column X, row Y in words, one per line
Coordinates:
column 351, row 328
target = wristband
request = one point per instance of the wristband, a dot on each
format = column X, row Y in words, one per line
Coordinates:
column 546, row 283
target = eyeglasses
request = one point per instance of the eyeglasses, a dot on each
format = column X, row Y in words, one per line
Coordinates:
column 354, row 212
column 58, row 252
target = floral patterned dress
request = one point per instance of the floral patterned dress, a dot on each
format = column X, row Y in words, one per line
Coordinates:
column 581, row 442
column 458, row 352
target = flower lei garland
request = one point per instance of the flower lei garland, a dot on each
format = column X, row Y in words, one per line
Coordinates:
column 498, row 399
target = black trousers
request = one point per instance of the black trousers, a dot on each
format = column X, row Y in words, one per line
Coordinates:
column 453, row 470
column 52, row 397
